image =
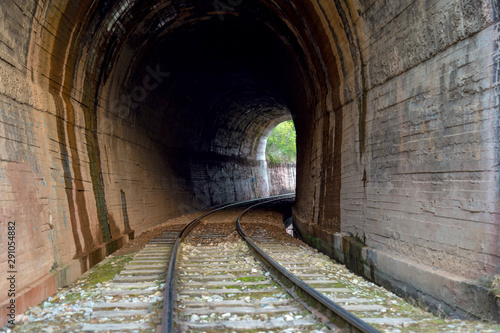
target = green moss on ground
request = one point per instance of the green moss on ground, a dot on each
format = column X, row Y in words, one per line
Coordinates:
column 252, row 279
column 104, row 271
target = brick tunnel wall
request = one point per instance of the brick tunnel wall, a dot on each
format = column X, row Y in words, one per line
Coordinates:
column 83, row 169
column 77, row 187
column 397, row 130
column 405, row 160
column 282, row 178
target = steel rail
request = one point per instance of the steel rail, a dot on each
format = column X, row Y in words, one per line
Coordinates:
column 167, row 325
column 351, row 320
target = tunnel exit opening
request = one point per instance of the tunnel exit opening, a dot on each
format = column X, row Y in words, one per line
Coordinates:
column 281, row 146
column 281, row 158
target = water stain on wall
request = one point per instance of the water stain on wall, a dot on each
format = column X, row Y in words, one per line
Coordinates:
column 124, row 211
column 61, row 84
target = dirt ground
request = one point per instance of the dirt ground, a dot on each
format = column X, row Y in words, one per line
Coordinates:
column 139, row 242
column 220, row 223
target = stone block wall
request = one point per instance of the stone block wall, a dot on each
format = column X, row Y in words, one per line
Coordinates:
column 282, row 178
column 414, row 127
column 77, row 187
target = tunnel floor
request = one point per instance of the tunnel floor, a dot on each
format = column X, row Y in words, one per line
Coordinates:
column 72, row 306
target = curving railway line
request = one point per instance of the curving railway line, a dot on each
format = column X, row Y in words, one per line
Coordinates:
column 227, row 276
column 229, row 271
column 259, row 284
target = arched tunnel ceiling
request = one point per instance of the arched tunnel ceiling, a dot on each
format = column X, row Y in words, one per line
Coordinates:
column 198, row 76
column 197, row 84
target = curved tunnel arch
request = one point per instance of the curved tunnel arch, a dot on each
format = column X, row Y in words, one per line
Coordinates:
column 185, row 90
column 140, row 75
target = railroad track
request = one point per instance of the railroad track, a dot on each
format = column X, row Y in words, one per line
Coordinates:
column 132, row 301
column 248, row 277
column 214, row 286
column 295, row 262
column 220, row 279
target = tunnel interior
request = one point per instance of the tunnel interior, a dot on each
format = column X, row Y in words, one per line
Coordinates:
column 208, row 87
column 163, row 108
column 118, row 115
column 218, row 75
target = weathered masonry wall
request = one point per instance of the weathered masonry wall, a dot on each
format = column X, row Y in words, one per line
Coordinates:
column 406, row 158
column 282, row 178
column 78, row 186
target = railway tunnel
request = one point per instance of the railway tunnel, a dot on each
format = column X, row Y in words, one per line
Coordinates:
column 118, row 115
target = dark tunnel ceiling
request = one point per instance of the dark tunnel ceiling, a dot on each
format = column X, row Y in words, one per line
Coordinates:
column 229, row 77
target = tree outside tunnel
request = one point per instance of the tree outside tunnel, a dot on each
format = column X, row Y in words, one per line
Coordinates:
column 281, row 144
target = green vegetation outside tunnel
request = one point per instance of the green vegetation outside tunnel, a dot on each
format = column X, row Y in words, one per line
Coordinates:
column 281, row 144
